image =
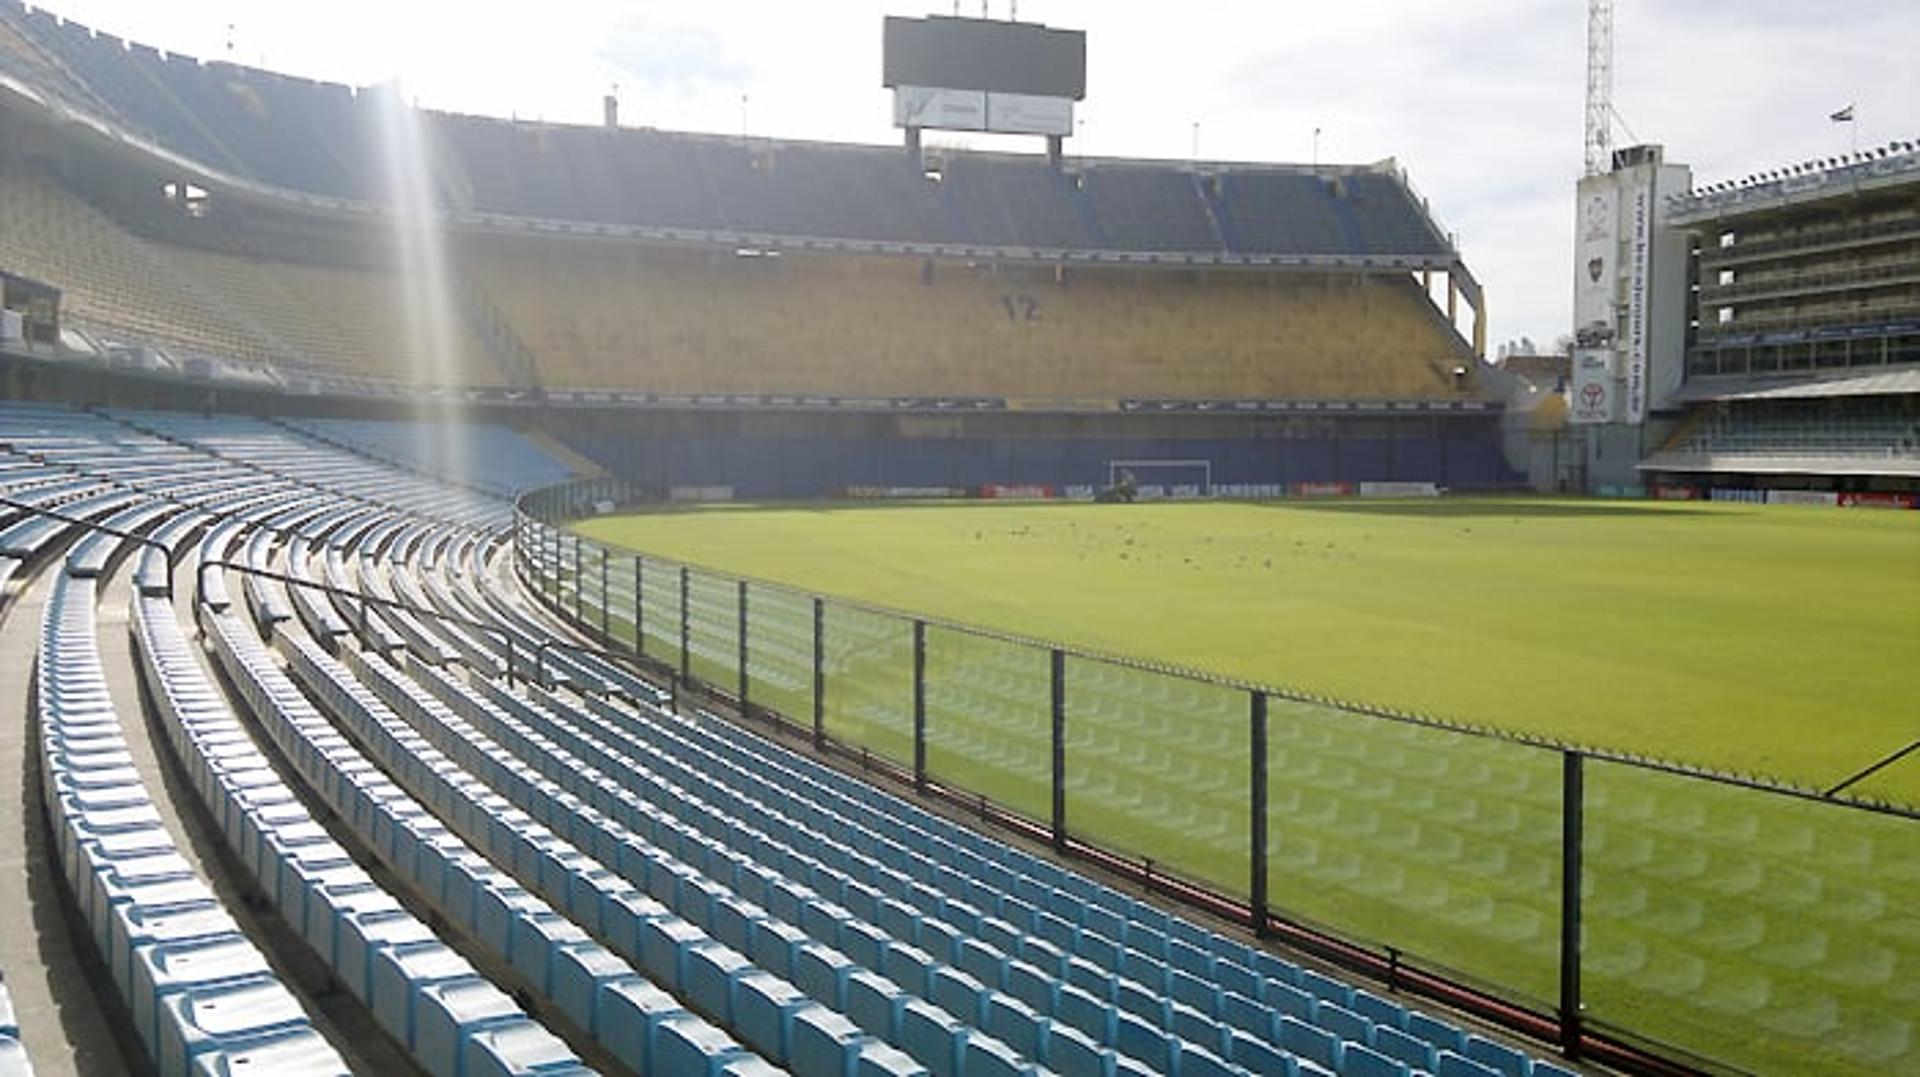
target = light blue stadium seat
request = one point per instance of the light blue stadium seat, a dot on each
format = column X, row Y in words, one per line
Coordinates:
column 1140, row 1039
column 1343, row 1023
column 882, row 1060
column 1415, row 1052
column 1378, row 1010
column 138, row 926
column 398, row 975
column 359, row 936
column 661, row 944
column 580, row 972
column 872, row 1002
column 682, row 1043
column 1193, row 1061
column 1014, row 1023
column 1497, row 1056
column 206, row 1019
column 957, row 993
column 1442, row 1035
column 772, row 946
column 1258, row 1056
column 748, row 1066
column 296, row 1054
column 707, row 974
column 629, row 1011
column 864, row 944
column 823, row 1043
column 162, row 971
column 763, row 1007
column 330, row 905
column 991, row 1058
column 446, row 1015
column 932, row 1035
column 1078, row 1009
column 1326, row 988
column 821, row 973
column 519, row 1049
column 1454, row 1065
column 1358, row 1060
column 1310, row 1043
column 1149, row 1006
column 1288, row 1001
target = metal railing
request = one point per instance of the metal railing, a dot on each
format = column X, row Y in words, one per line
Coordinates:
column 1033, row 737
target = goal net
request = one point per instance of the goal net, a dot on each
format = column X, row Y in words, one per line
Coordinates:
column 1164, row 478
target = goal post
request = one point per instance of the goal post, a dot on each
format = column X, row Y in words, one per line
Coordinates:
column 1165, row 478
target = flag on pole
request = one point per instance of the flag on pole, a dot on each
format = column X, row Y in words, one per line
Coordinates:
column 1845, row 115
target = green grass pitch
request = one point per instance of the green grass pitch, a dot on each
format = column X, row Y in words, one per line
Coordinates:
column 1772, row 933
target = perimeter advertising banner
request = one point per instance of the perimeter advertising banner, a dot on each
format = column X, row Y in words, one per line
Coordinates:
column 1596, row 252
column 1594, row 394
column 1636, row 197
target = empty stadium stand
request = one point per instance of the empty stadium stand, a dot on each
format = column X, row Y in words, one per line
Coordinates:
column 1842, row 435
column 613, row 316
column 717, row 265
column 507, row 878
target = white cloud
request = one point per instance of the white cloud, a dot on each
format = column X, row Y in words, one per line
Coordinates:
column 1480, row 99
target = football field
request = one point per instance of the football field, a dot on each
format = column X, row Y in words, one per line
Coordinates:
column 1770, row 931
column 1767, row 640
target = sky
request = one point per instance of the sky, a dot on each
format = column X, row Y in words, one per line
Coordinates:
column 1480, row 100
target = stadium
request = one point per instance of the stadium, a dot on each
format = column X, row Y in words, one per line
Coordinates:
column 486, row 596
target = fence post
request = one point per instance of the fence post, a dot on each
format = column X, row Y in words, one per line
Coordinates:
column 1257, row 813
column 742, row 626
column 920, row 705
column 639, row 607
column 1059, row 713
column 552, row 567
column 819, row 671
column 686, row 630
column 606, row 607
column 1572, row 837
column 579, row 581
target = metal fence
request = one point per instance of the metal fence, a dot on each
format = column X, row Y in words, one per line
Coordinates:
column 1630, row 910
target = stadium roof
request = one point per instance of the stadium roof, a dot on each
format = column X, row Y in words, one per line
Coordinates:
column 1893, row 382
column 239, row 129
column 1894, row 165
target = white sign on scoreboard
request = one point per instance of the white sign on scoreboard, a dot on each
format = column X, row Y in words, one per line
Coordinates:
column 1026, row 114
column 946, row 110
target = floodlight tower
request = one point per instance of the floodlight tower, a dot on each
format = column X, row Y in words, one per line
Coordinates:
column 1599, row 86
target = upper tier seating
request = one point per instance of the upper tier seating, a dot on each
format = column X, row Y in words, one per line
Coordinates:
column 616, row 316
column 325, row 139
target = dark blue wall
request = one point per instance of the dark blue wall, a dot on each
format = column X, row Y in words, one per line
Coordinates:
column 807, row 467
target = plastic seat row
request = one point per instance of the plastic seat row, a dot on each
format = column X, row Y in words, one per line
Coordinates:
column 554, row 940
column 451, row 1020
column 1252, row 1018
column 1447, row 1041
column 921, row 947
column 595, row 991
column 1009, row 880
column 623, row 862
column 202, row 996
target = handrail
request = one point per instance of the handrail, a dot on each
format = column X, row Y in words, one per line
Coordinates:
column 366, row 600
column 201, row 601
column 90, row 525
